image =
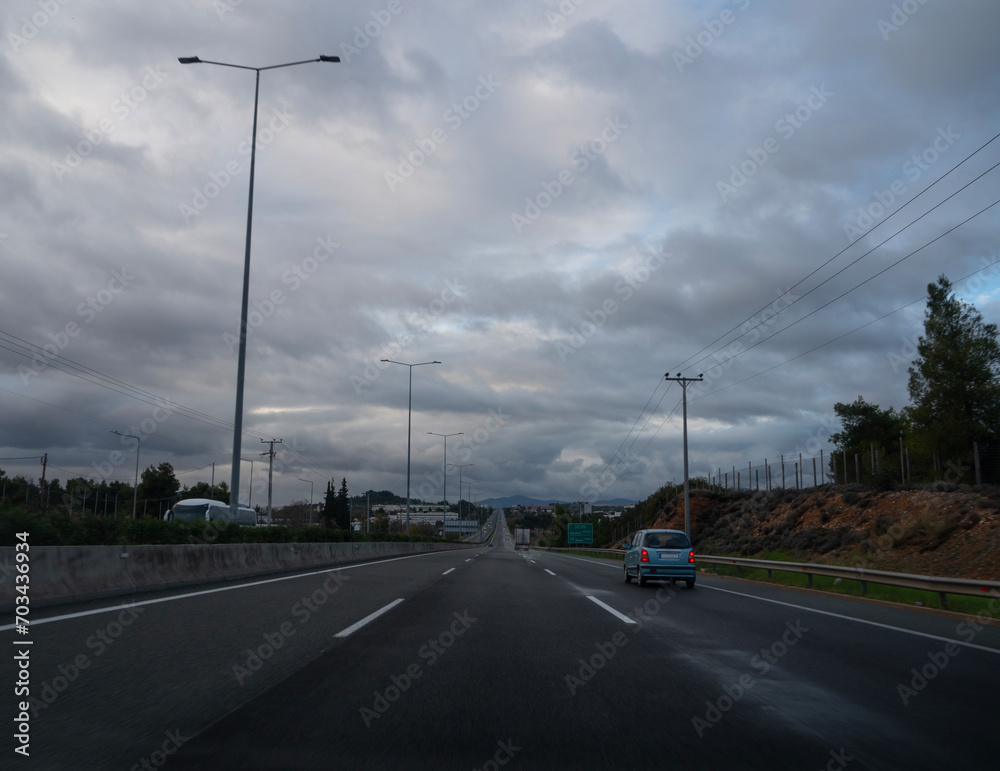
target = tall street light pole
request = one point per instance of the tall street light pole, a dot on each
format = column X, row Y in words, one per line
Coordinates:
column 409, row 416
column 250, row 493
column 135, row 489
column 464, row 465
column 444, row 519
column 687, row 494
column 234, row 491
column 310, row 498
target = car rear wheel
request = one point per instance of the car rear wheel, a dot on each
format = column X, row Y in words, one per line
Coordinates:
column 690, row 583
column 639, row 576
column 628, row 578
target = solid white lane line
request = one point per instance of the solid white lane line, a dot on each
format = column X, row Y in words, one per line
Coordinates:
column 125, row 604
column 857, row 620
column 611, row 610
column 367, row 619
column 826, row 612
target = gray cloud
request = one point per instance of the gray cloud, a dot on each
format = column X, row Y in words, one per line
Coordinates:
column 630, row 261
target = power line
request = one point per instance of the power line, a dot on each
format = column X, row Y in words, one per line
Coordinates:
column 70, row 367
column 858, row 240
column 870, row 278
column 840, row 337
column 874, row 248
column 812, row 273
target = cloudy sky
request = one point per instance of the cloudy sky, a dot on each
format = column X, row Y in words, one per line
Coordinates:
column 559, row 201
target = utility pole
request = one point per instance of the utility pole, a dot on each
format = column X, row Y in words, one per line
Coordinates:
column 270, row 470
column 687, row 493
column 41, row 489
column 135, row 488
column 444, row 470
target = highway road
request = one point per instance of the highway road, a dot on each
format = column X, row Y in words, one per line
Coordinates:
column 487, row 658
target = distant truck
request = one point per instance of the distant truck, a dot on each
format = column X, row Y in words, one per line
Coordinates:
column 522, row 538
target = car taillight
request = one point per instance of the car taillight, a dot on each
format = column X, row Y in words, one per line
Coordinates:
column 645, row 556
column 691, row 558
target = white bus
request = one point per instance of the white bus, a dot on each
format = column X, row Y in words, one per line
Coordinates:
column 207, row 510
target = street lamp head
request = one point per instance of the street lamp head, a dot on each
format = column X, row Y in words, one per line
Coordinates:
column 189, row 60
column 325, row 58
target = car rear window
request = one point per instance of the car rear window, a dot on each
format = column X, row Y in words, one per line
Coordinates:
column 667, row 541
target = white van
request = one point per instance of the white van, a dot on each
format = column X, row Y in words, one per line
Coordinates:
column 207, row 510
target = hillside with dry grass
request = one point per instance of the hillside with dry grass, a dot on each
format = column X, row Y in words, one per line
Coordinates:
column 929, row 532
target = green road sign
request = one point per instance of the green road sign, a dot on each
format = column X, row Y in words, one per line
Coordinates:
column 580, row 533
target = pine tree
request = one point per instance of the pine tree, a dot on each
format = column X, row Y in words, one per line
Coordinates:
column 954, row 383
column 343, row 507
column 329, row 505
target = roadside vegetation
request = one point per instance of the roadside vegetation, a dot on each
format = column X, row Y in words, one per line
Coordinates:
column 90, row 530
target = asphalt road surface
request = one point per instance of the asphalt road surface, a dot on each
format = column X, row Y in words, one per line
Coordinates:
column 487, row 658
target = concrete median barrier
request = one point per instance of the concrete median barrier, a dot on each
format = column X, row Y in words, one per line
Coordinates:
column 60, row 574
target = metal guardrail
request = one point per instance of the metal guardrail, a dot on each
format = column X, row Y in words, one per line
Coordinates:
column 941, row 585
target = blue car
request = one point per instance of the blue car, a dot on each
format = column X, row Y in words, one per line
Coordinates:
column 660, row 555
